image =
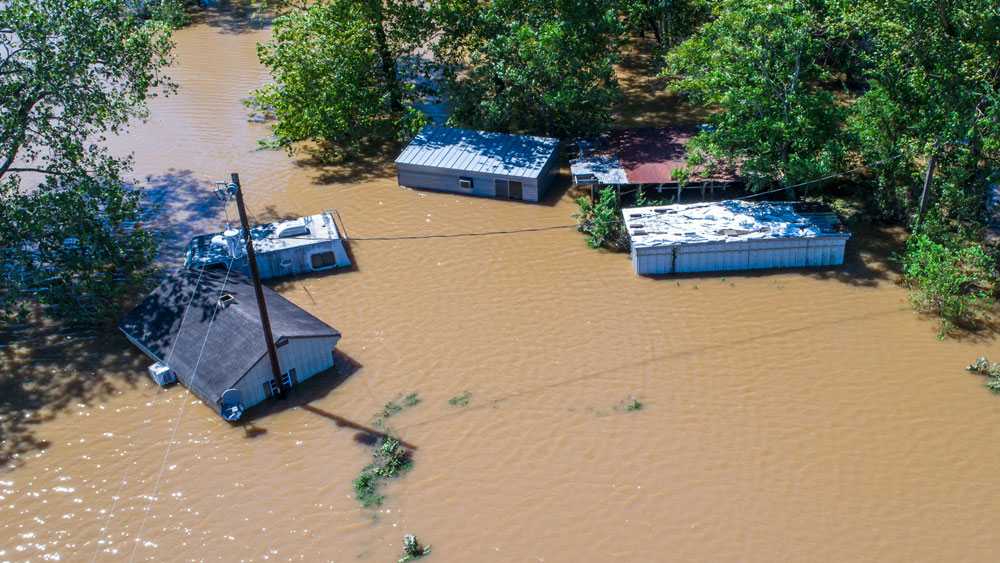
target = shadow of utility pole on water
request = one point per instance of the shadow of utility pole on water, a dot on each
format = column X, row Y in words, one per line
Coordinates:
column 365, row 435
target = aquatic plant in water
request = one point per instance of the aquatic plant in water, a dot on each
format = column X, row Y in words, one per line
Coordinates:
column 460, row 400
column 413, row 548
column 390, row 460
column 990, row 370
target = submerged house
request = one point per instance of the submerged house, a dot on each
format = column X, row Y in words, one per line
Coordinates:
column 480, row 163
column 733, row 235
column 283, row 248
column 204, row 331
column 648, row 158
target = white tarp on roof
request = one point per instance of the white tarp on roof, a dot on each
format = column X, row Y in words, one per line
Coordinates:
column 724, row 221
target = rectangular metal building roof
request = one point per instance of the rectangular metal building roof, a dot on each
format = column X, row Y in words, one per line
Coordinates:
column 731, row 220
column 479, row 151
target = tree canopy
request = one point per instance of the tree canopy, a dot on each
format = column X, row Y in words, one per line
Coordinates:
column 344, row 71
column 531, row 66
column 347, row 71
column 933, row 73
column 70, row 71
column 669, row 21
column 760, row 63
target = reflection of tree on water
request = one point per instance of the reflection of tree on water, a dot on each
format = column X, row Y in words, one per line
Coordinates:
column 47, row 367
column 179, row 206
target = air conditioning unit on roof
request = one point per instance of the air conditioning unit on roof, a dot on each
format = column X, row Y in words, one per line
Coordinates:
column 161, row 374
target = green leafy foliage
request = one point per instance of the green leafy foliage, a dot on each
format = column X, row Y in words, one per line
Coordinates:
column 530, row 66
column 601, row 221
column 392, row 407
column 69, row 72
column 390, row 460
column 949, row 280
column 460, row 400
column 933, row 83
column 344, row 72
column 669, row 22
column 991, row 370
column 413, row 549
column 760, row 62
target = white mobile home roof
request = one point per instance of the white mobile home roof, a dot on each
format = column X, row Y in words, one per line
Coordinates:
column 733, row 220
column 479, row 151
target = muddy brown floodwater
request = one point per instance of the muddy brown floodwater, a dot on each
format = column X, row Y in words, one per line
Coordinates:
column 786, row 416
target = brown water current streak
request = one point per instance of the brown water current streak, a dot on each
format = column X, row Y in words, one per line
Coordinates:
column 804, row 415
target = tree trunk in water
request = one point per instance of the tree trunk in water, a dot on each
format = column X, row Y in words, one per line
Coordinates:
column 388, row 63
column 927, row 188
column 656, row 31
column 785, row 147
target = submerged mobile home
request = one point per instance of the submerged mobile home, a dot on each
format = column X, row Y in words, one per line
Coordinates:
column 480, row 163
column 203, row 329
column 283, row 248
column 733, row 235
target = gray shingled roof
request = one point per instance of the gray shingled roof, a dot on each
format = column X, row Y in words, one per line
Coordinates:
column 236, row 340
column 479, row 151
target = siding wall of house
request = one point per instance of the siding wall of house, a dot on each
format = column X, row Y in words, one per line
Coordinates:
column 547, row 176
column 308, row 356
column 740, row 255
column 446, row 179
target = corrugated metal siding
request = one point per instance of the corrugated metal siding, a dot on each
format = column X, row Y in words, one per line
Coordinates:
column 741, row 255
column 446, row 148
column 308, row 356
column 447, row 180
column 547, row 176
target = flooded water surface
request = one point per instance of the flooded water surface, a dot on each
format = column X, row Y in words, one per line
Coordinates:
column 802, row 415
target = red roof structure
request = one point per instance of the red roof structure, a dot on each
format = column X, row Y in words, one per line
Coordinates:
column 650, row 154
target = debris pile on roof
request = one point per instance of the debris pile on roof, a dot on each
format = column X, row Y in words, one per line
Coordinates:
column 729, row 221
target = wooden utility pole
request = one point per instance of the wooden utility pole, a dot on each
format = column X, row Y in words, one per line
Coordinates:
column 927, row 185
column 272, row 352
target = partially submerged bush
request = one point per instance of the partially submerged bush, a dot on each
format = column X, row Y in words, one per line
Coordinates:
column 990, row 370
column 951, row 281
column 391, row 460
column 413, row 548
column 602, row 222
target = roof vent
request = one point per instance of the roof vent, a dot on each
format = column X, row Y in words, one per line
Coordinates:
column 234, row 243
column 226, row 300
column 293, row 228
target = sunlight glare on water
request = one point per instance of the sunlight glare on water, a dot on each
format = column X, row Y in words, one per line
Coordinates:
column 805, row 415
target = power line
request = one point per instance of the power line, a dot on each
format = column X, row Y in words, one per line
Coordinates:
column 597, row 223
column 149, row 411
column 180, row 413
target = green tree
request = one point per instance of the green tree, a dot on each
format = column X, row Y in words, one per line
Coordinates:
column 602, row 221
column 344, row 71
column 952, row 281
column 531, row 66
column 760, row 62
column 933, row 73
column 71, row 70
column 670, row 21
